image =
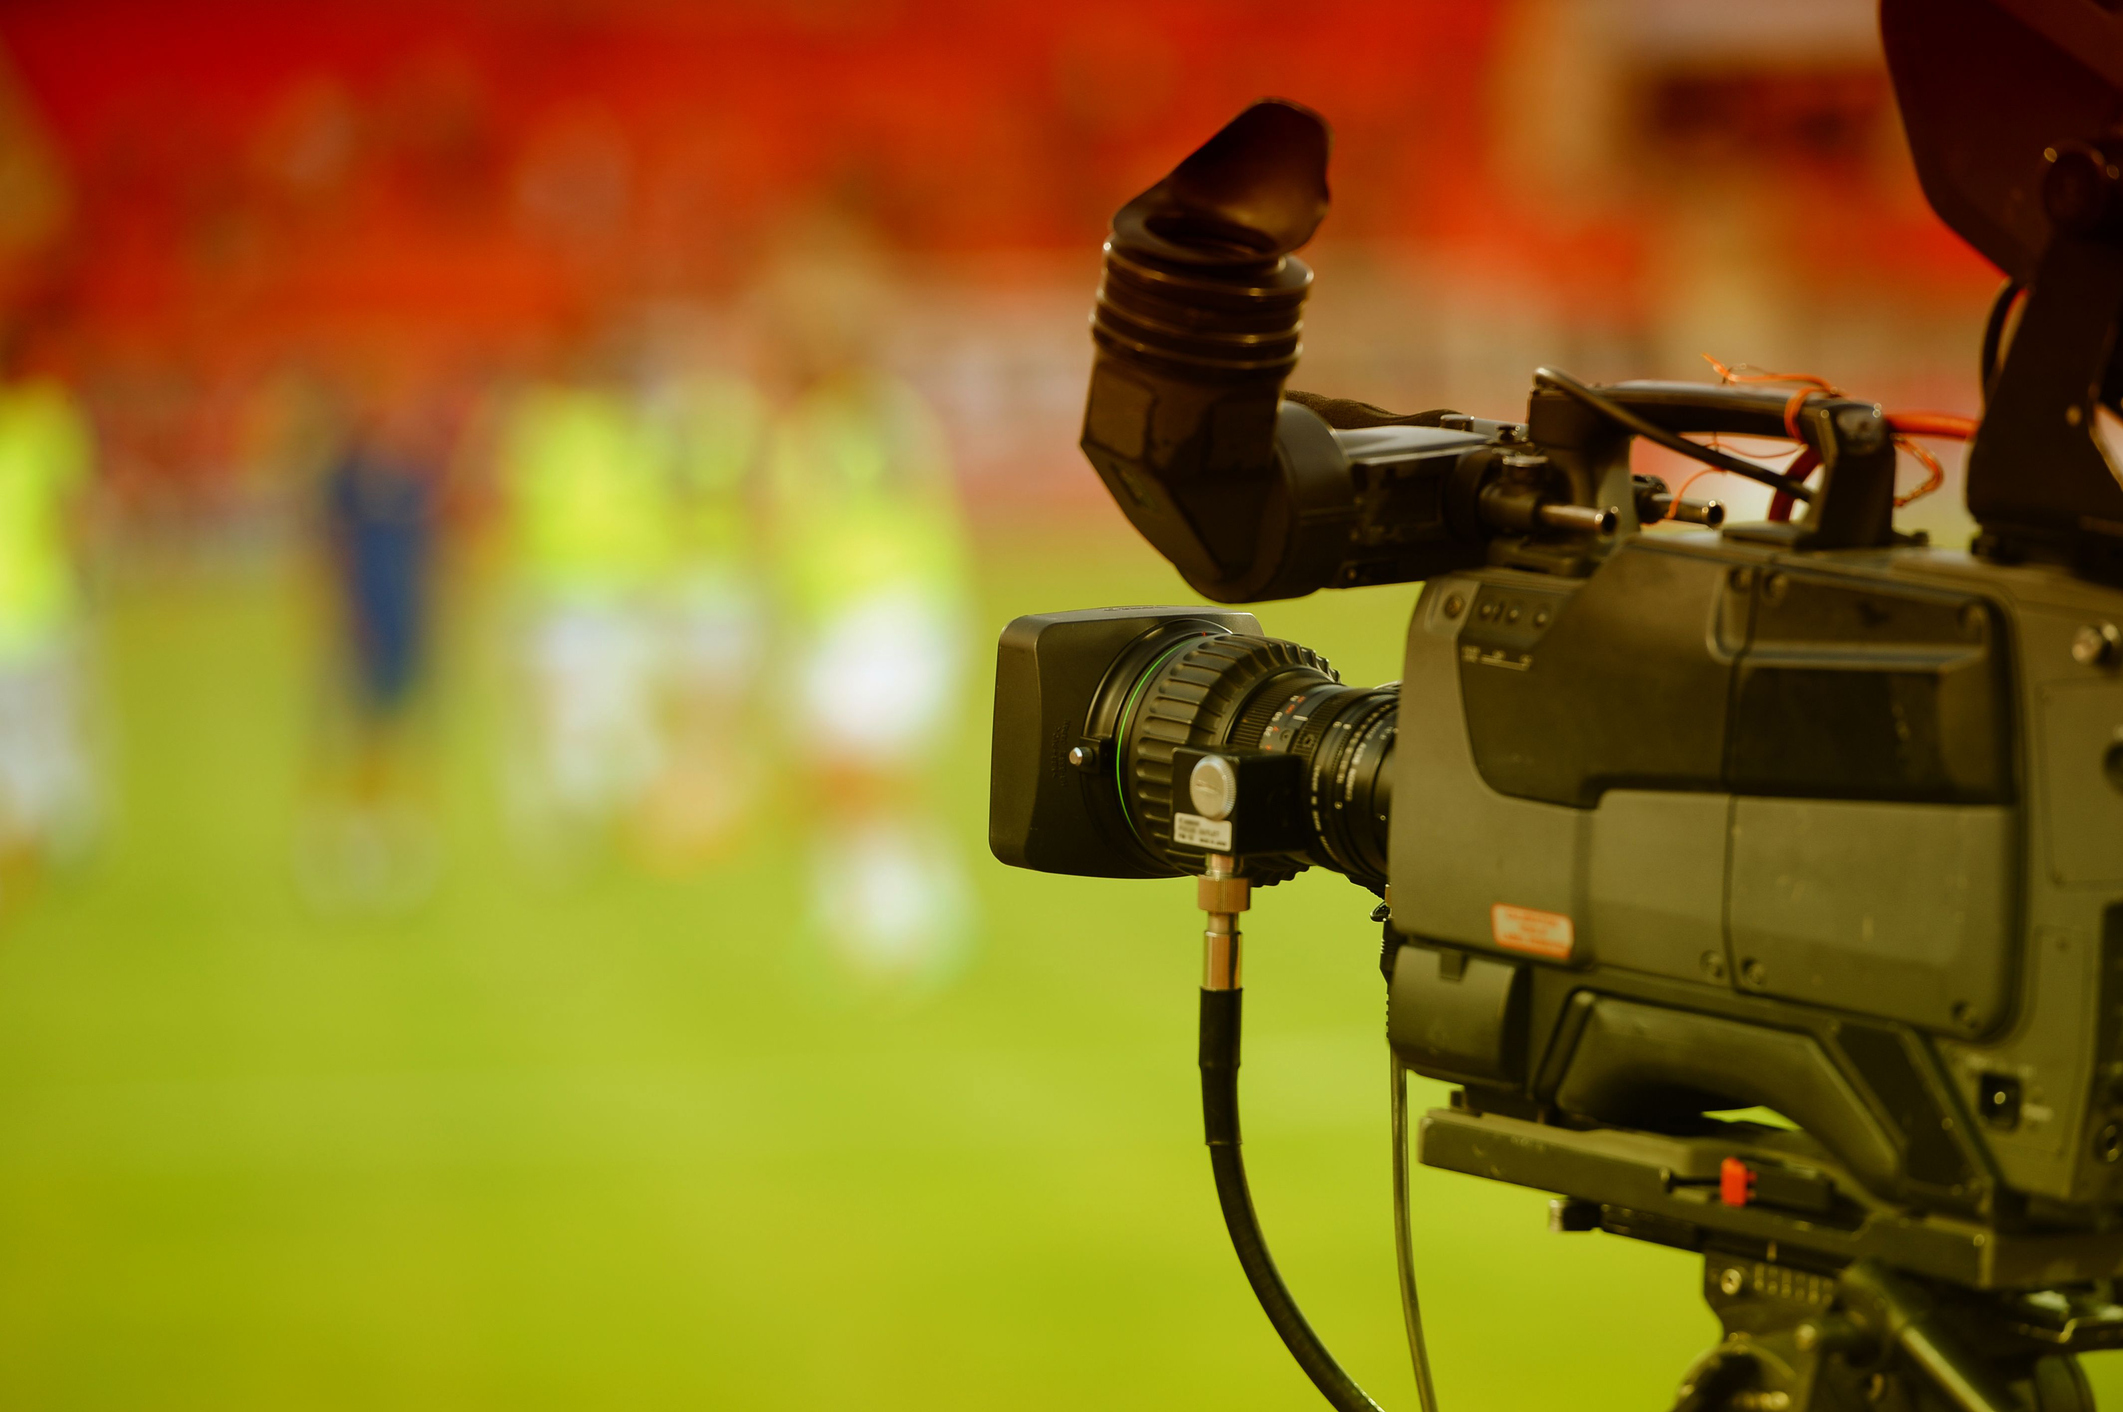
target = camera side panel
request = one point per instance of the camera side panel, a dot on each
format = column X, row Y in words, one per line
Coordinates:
column 2046, row 1091
column 1900, row 910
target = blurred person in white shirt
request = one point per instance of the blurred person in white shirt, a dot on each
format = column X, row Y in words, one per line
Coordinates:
column 713, row 420
column 585, row 481
column 873, row 571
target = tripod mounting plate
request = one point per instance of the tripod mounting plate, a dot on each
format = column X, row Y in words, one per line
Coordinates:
column 1662, row 1188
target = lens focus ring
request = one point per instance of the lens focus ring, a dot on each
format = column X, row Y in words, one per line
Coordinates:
column 1196, row 699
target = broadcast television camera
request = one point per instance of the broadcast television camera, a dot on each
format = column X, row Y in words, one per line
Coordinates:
column 1803, row 815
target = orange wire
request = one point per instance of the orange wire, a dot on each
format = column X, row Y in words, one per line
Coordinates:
column 1932, row 482
column 1802, row 465
column 1792, row 408
column 1940, row 424
column 1905, row 425
column 1675, row 503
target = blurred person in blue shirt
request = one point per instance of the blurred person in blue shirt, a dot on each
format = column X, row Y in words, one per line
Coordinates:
column 373, row 841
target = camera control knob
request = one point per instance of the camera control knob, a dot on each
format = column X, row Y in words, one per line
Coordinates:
column 2097, row 645
column 1213, row 787
column 1578, row 519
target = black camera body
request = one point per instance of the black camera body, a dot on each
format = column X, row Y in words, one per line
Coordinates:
column 1670, row 820
column 1840, row 836
column 1842, row 831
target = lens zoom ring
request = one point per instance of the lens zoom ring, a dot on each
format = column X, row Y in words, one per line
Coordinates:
column 1197, row 700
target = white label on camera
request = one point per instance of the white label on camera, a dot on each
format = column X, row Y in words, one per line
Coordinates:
column 1537, row 933
column 1194, row 831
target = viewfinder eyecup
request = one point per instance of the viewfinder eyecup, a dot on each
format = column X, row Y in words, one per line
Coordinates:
column 1248, row 196
column 1196, row 325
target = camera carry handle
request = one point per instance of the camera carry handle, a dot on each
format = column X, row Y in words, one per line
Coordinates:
column 1852, row 505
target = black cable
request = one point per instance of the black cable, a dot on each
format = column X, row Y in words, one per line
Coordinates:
column 1219, row 1060
column 1404, row 1242
column 1621, row 416
column 1994, row 333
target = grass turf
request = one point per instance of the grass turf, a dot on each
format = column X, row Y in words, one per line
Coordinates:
column 621, row 1142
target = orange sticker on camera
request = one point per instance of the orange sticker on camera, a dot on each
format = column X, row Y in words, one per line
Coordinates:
column 1549, row 934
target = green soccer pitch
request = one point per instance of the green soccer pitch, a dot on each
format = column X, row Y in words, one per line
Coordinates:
column 614, row 1142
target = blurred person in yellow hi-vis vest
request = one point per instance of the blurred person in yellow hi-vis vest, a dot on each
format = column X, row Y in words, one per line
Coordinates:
column 873, row 568
column 713, row 421
column 48, row 788
column 585, row 478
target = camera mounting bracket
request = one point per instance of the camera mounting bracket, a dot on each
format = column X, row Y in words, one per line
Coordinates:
column 2014, row 112
column 2060, row 369
column 1664, row 1188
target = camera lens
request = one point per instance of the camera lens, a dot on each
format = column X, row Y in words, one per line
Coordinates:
column 1222, row 690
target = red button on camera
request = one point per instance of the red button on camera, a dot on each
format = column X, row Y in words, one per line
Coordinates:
column 1735, row 1182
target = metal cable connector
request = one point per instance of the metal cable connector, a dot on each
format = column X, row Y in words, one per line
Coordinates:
column 1223, row 895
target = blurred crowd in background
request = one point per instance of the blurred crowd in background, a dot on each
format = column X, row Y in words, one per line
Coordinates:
column 705, row 338
column 505, row 510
